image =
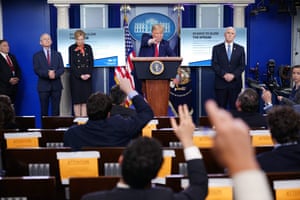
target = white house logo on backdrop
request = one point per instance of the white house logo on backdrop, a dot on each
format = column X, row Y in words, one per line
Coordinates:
column 143, row 24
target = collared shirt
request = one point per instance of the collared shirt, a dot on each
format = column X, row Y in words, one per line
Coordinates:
column 122, row 185
column 4, row 55
column 45, row 51
column 285, row 144
column 231, row 45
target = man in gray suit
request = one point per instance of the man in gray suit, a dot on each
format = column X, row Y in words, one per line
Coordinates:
column 48, row 66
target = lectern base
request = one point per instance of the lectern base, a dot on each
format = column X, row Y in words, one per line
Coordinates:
column 157, row 95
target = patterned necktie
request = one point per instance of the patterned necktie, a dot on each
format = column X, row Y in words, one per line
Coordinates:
column 156, row 53
column 48, row 57
column 229, row 51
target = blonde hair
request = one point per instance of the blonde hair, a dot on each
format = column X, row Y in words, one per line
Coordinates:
column 158, row 27
column 79, row 33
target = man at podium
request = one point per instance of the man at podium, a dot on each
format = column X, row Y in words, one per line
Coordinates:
column 153, row 46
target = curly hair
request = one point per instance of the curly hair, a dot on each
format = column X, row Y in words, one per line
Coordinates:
column 141, row 161
column 284, row 124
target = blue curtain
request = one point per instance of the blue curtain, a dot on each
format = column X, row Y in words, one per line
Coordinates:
column 189, row 16
column 114, row 21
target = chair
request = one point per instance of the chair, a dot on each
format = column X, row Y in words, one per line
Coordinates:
column 109, row 157
column 51, row 138
column 53, row 122
column 34, row 162
column 164, row 122
column 204, row 121
column 25, row 122
column 82, row 186
column 32, row 188
column 273, row 176
column 165, row 136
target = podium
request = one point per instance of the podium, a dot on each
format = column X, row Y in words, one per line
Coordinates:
column 155, row 73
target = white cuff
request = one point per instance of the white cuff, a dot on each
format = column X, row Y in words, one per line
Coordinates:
column 192, row 153
column 251, row 184
column 132, row 94
column 268, row 106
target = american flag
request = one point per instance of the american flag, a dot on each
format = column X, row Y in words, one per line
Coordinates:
column 125, row 71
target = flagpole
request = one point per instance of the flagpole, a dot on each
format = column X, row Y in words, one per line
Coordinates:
column 179, row 8
column 126, row 71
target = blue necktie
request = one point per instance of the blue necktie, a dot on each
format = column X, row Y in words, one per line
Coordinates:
column 229, row 52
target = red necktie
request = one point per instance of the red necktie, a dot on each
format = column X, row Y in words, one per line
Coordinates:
column 156, row 53
column 48, row 57
column 9, row 62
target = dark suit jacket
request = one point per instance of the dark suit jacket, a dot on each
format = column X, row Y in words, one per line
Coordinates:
column 148, row 51
column 281, row 159
column 5, row 75
column 252, row 119
column 81, row 65
column 221, row 65
column 113, row 131
column 41, row 68
column 196, row 191
column 121, row 110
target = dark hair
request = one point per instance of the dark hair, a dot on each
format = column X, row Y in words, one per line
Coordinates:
column 249, row 100
column 7, row 113
column 284, row 124
column 295, row 66
column 98, row 106
column 117, row 95
column 1, row 41
column 141, row 161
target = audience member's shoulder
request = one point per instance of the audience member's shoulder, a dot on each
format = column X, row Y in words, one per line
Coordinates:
column 160, row 193
column 96, row 195
column 234, row 113
column 73, row 127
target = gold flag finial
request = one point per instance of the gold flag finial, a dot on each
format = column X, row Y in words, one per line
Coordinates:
column 125, row 8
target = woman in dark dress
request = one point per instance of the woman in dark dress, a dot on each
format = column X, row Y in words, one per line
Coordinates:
column 81, row 65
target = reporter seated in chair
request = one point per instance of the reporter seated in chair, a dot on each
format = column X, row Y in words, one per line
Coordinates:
column 247, row 105
column 284, row 125
column 294, row 97
column 102, row 130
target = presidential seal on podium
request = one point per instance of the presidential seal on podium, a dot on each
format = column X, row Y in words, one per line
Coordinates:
column 157, row 67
